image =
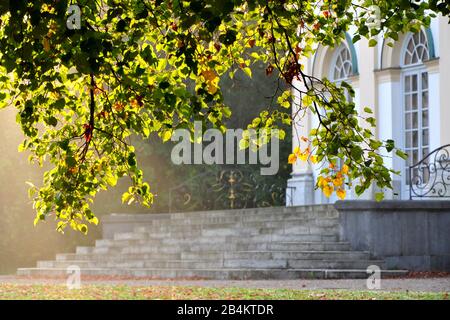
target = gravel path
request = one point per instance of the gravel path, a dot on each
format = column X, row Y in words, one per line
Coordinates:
column 427, row 284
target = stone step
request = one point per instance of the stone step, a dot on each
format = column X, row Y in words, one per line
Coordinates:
column 215, row 274
column 303, row 246
column 216, row 264
column 212, row 255
column 286, row 212
column 117, row 247
column 176, row 239
column 290, row 246
column 301, row 264
column 246, row 218
column 256, row 221
column 141, row 263
column 228, row 229
column 298, row 255
column 217, row 255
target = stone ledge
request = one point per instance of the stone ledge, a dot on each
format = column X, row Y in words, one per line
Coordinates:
column 143, row 217
column 393, row 205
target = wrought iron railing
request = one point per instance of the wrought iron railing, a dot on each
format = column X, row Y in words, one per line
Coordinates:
column 226, row 188
column 430, row 177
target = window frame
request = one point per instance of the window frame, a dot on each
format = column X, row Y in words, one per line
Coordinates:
column 410, row 70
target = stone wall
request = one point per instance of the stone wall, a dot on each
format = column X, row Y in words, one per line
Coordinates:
column 412, row 235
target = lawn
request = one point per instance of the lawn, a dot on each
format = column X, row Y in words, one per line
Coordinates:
column 97, row 292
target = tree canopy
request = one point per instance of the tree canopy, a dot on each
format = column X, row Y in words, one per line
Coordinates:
column 137, row 67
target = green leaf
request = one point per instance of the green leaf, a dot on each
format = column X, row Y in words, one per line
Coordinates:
column 373, row 42
column 71, row 162
column 132, row 159
column 244, row 144
column 390, row 145
column 401, row 154
column 379, row 196
column 359, row 190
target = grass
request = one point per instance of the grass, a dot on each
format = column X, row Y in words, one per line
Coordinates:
column 123, row 292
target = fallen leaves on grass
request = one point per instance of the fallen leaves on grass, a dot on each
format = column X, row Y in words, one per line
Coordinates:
column 124, row 292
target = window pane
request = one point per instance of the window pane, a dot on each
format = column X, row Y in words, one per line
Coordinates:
column 409, row 161
column 408, row 102
column 336, row 73
column 407, row 84
column 414, row 82
column 425, row 119
column 407, row 59
column 425, row 99
column 425, row 137
column 420, row 52
column 415, row 157
column 425, row 152
column 415, row 120
column 415, row 139
column 414, row 102
column 348, row 69
column 415, row 58
column 408, row 139
column 424, row 80
column 411, row 46
column 425, row 55
column 408, row 121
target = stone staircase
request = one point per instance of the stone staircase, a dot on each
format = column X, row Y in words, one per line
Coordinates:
column 263, row 243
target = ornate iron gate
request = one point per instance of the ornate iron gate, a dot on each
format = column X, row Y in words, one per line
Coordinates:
column 226, row 188
column 430, row 177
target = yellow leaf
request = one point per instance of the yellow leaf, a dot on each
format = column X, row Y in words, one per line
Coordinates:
column 297, row 150
column 166, row 135
column 341, row 194
column 303, row 156
column 46, row 44
column 338, row 182
column 313, row 159
column 292, row 158
column 212, row 89
column 94, row 220
column 345, row 169
column 322, row 182
column 328, row 190
column 209, row 75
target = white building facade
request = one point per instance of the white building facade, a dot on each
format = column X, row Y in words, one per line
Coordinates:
column 408, row 88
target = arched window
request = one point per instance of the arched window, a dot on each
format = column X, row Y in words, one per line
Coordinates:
column 342, row 68
column 415, row 98
column 416, row 50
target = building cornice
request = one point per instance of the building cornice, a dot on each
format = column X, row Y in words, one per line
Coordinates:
column 393, row 74
column 432, row 65
column 388, row 75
